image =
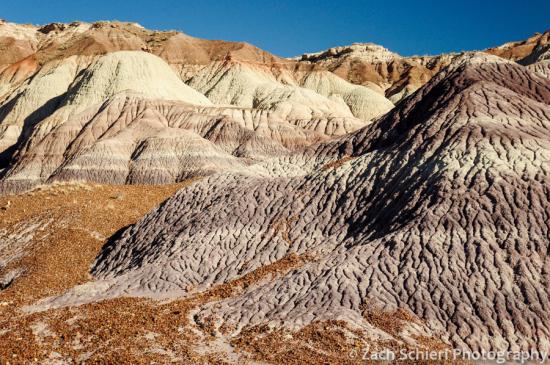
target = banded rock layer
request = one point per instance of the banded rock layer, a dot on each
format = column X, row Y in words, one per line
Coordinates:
column 127, row 118
column 60, row 81
column 65, row 73
column 441, row 207
column 132, row 140
column 370, row 64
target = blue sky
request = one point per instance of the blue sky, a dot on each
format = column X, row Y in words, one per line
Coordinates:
column 289, row 28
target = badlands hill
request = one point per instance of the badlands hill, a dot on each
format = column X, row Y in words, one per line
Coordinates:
column 111, row 102
column 313, row 208
column 397, row 76
column 439, row 209
column 76, row 100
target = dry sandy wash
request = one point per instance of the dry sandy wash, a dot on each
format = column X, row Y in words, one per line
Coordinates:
column 168, row 199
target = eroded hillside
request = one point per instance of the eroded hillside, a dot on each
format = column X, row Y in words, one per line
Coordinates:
column 170, row 199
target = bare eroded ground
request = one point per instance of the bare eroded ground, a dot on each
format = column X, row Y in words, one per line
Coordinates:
column 70, row 223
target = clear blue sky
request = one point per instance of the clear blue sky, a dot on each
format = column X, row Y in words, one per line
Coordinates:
column 289, row 28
